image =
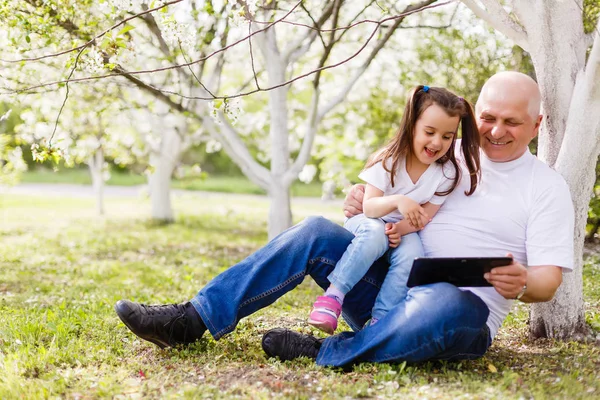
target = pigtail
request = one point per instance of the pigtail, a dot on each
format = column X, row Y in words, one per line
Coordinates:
column 451, row 158
column 470, row 146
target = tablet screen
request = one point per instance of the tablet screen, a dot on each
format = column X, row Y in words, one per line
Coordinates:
column 459, row 271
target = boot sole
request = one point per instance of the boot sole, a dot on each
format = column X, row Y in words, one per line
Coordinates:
column 160, row 344
column 322, row 326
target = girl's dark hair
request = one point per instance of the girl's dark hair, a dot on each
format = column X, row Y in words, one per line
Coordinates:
column 401, row 145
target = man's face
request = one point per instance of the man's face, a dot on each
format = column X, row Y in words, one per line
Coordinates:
column 505, row 126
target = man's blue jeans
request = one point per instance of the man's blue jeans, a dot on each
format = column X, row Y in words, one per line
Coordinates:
column 370, row 243
column 434, row 322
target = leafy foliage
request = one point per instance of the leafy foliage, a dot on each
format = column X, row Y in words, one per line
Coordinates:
column 591, row 12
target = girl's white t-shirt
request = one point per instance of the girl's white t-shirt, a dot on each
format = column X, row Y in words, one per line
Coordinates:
column 436, row 178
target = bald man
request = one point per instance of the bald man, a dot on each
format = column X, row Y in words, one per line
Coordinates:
column 521, row 208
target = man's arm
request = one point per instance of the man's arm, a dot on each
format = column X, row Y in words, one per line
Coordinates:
column 542, row 281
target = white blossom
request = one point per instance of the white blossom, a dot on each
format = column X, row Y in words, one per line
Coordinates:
column 307, row 174
column 6, row 115
column 127, row 5
column 92, row 61
column 233, row 110
column 213, row 109
column 177, row 33
column 213, row 146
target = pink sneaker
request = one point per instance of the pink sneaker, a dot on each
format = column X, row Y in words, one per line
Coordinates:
column 325, row 313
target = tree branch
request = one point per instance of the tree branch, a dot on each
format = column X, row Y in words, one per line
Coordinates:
column 66, row 24
column 214, row 81
column 309, row 136
column 202, row 59
column 157, row 93
column 296, row 49
column 352, row 21
column 497, row 17
column 446, row 26
column 238, row 151
column 153, row 27
column 72, row 28
column 65, row 100
column 232, row 45
column 378, row 46
column 329, row 46
column 252, row 58
column 164, row 47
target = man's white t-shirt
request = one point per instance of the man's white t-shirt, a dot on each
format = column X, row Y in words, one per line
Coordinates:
column 521, row 207
column 437, row 178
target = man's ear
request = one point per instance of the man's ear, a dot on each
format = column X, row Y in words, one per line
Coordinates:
column 538, row 123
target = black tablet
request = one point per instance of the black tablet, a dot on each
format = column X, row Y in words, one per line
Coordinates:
column 459, row 271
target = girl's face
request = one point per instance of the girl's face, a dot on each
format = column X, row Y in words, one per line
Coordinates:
column 433, row 134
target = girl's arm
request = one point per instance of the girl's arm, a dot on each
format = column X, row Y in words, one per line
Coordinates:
column 404, row 227
column 376, row 205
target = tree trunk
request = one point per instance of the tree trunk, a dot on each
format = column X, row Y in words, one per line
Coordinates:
column 564, row 316
column 95, row 164
column 568, row 142
column 159, row 181
column 280, row 212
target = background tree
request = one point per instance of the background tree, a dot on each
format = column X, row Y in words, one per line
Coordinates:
column 11, row 155
column 80, row 137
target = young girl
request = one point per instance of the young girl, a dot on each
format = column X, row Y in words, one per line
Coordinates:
column 417, row 167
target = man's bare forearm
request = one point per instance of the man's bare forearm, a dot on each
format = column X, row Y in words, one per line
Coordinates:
column 542, row 283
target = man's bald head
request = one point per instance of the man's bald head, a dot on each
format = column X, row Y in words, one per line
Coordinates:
column 508, row 115
column 512, row 86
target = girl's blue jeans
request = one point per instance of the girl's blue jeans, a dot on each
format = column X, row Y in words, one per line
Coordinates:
column 369, row 244
column 436, row 321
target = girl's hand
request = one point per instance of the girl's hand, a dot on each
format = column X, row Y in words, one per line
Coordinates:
column 394, row 237
column 412, row 212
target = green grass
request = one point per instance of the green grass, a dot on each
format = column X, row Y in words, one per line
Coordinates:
column 212, row 183
column 62, row 269
column 79, row 177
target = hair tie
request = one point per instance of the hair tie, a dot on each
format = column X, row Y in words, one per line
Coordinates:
column 461, row 99
column 426, row 88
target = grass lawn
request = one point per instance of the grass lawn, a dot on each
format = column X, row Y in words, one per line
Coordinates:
column 212, row 183
column 62, row 269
